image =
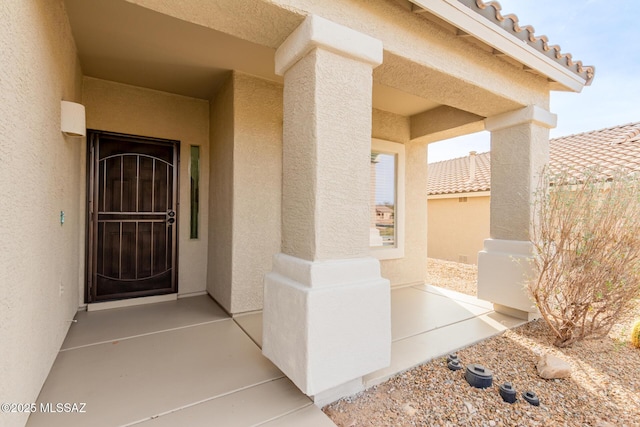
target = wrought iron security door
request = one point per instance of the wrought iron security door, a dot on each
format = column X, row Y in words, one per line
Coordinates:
column 132, row 216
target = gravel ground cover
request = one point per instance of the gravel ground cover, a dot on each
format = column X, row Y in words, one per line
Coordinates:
column 604, row 389
column 453, row 275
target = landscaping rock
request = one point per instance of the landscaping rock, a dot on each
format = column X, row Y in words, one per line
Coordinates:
column 409, row 409
column 552, row 367
column 470, row 408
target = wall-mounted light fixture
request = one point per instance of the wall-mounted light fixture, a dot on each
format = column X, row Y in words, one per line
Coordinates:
column 72, row 121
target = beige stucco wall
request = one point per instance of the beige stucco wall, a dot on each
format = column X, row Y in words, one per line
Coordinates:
column 41, row 175
column 246, row 182
column 452, row 71
column 219, row 270
column 246, row 186
column 133, row 110
column 257, row 186
column 412, row 268
column 518, row 154
column 457, row 229
column 325, row 207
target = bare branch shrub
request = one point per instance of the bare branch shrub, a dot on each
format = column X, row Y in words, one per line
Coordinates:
column 587, row 242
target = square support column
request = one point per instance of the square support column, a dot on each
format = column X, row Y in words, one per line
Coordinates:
column 519, row 152
column 326, row 317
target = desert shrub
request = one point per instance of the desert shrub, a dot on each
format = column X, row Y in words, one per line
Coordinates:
column 635, row 334
column 586, row 236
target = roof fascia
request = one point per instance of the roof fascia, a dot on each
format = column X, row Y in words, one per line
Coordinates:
column 462, row 17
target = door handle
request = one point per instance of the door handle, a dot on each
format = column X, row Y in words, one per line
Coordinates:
column 171, row 216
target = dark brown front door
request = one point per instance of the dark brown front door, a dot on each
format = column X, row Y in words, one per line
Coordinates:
column 133, row 184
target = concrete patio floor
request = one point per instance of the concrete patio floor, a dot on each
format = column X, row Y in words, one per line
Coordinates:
column 186, row 362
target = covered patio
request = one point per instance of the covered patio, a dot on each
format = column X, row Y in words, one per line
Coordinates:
column 186, row 362
column 225, row 148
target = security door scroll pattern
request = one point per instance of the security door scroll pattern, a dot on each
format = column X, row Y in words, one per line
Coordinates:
column 135, row 221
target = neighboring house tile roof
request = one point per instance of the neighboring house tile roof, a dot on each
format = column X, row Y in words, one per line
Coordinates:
column 453, row 176
column 491, row 11
column 610, row 148
column 383, row 208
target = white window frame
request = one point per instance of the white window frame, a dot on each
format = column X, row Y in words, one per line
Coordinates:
column 396, row 149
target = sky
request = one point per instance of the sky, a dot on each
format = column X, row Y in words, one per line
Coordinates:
column 602, row 33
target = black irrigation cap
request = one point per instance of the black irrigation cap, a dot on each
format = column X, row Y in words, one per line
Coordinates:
column 478, row 376
column 454, row 365
column 531, row 397
column 452, row 356
column 508, row 393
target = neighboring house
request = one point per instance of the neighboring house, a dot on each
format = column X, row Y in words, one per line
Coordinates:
column 458, row 207
column 227, row 152
column 384, row 214
column 459, row 189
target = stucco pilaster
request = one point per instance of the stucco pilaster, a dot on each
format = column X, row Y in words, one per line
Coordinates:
column 327, row 71
column 326, row 317
column 519, row 152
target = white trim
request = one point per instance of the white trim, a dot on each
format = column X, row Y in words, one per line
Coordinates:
column 347, row 389
column 462, row 17
column 512, row 247
column 456, row 195
column 530, row 114
column 388, row 147
column 329, row 329
column 317, row 32
column 193, row 294
column 107, row 305
column 322, row 274
column 503, row 269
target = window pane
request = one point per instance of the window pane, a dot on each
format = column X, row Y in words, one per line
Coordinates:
column 383, row 200
column 194, row 171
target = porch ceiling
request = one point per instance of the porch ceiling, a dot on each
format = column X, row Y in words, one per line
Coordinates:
column 130, row 44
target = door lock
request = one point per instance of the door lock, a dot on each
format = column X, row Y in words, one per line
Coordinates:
column 171, row 216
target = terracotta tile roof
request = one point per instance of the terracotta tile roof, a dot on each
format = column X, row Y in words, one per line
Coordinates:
column 492, row 11
column 610, row 148
column 383, row 208
column 452, row 176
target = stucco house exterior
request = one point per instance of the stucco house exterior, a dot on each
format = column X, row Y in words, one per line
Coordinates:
column 459, row 190
column 223, row 136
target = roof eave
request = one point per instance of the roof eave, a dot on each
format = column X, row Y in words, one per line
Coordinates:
column 467, row 20
column 453, row 195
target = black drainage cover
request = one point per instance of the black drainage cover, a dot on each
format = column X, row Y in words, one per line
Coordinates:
column 508, row 393
column 454, row 365
column 531, row 397
column 478, row 376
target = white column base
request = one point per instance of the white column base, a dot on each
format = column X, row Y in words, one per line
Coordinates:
column 518, row 314
column 347, row 389
column 503, row 266
column 326, row 323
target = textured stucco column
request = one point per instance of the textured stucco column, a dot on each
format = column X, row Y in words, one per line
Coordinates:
column 519, row 151
column 326, row 318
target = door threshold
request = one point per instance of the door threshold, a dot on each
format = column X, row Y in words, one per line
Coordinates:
column 107, row 305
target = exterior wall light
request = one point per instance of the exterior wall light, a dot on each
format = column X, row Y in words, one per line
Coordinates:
column 72, row 120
